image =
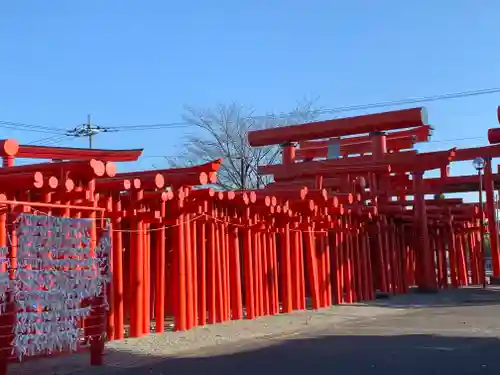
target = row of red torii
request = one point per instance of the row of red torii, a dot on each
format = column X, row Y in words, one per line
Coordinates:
column 326, row 231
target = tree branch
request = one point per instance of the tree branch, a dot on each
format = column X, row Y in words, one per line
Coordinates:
column 224, row 135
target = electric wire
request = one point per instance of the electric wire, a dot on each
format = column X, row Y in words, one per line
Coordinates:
column 42, row 141
column 431, row 141
column 454, row 140
column 350, row 108
column 65, row 134
column 57, row 141
column 31, row 128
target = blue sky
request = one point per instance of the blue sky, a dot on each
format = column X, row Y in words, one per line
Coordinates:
column 139, row 62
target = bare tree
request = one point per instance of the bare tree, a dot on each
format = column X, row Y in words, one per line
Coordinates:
column 224, row 135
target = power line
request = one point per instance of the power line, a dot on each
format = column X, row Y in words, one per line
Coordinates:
column 42, row 141
column 59, row 135
column 88, row 130
column 454, row 140
column 350, row 108
column 57, row 141
column 423, row 143
column 172, row 125
column 52, row 140
column 424, row 99
column 30, row 128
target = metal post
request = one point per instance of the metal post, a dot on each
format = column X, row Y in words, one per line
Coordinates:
column 479, row 164
column 481, row 226
column 491, row 216
column 497, row 235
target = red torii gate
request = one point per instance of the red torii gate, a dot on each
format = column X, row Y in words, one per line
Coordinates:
column 331, row 230
column 361, row 145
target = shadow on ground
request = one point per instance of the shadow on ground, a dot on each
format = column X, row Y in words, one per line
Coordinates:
column 470, row 296
column 377, row 355
column 457, row 341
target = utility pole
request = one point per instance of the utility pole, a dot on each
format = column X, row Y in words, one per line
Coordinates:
column 88, row 130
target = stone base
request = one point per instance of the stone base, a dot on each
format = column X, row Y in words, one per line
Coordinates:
column 494, row 280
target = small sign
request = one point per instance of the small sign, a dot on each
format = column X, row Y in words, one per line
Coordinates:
column 333, row 149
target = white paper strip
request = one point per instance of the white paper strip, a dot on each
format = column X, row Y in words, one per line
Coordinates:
column 56, row 271
column 5, row 282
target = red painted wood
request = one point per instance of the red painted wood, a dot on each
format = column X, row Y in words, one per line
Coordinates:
column 339, row 127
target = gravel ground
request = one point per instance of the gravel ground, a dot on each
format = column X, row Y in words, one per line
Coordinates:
column 347, row 338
